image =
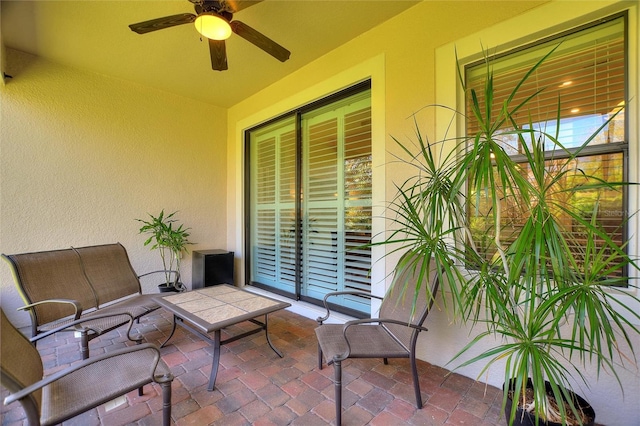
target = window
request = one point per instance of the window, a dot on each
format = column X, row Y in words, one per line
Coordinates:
column 585, row 85
column 310, row 182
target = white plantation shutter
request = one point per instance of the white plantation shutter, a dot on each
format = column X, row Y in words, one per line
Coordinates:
column 320, row 208
column 336, row 200
column 333, row 162
column 265, row 254
column 357, row 196
column 273, row 205
column 287, row 217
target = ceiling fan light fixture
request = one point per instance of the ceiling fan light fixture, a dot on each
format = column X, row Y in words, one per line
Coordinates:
column 213, row 26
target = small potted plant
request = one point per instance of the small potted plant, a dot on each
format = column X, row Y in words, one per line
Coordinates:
column 170, row 241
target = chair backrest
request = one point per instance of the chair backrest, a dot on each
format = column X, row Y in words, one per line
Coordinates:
column 55, row 274
column 398, row 303
column 109, row 271
column 20, row 366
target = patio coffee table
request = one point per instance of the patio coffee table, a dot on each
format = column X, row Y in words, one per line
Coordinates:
column 211, row 309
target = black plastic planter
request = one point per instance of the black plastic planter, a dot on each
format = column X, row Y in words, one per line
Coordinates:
column 527, row 419
column 164, row 288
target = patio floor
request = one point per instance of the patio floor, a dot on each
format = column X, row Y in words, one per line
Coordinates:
column 255, row 386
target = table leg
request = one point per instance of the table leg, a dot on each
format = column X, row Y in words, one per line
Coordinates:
column 173, row 330
column 216, row 360
column 266, row 332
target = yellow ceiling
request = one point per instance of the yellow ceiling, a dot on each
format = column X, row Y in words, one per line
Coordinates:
column 94, row 35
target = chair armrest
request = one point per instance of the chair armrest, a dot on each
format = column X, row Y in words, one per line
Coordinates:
column 83, row 320
column 76, row 305
column 338, row 293
column 367, row 321
column 88, row 362
column 379, row 321
column 164, row 271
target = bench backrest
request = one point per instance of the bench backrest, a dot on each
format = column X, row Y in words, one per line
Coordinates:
column 109, row 272
column 55, row 274
column 92, row 275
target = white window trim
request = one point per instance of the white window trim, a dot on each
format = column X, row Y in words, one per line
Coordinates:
column 542, row 22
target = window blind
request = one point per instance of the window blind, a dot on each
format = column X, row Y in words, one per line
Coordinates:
column 584, row 84
column 583, row 81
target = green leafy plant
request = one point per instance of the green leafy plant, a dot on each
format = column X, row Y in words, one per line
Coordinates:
column 543, row 303
column 168, row 239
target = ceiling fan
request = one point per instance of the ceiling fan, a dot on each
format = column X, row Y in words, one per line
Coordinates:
column 214, row 20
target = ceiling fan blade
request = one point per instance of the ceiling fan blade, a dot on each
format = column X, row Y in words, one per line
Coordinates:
column 218, row 51
column 162, row 23
column 260, row 40
column 235, row 5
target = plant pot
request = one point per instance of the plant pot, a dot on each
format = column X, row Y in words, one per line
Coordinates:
column 166, row 288
column 527, row 419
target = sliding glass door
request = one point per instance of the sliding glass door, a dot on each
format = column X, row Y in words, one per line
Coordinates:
column 309, row 201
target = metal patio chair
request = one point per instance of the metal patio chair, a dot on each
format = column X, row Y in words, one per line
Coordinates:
column 393, row 335
column 82, row 386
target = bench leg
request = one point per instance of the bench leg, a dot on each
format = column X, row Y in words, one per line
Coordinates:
column 84, row 344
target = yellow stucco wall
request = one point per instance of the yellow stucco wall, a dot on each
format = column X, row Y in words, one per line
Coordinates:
column 83, row 155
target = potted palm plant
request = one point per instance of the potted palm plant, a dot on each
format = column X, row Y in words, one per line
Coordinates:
column 170, row 239
column 546, row 307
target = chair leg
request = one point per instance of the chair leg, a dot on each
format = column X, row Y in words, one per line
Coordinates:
column 319, row 357
column 416, row 382
column 166, row 403
column 140, row 389
column 337, row 369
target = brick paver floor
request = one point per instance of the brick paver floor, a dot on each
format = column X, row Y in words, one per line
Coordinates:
column 255, row 386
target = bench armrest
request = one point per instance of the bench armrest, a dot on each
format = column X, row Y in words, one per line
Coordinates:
column 77, row 322
column 76, row 305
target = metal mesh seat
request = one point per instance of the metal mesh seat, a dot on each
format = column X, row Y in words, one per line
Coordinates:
column 393, row 335
column 81, row 387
